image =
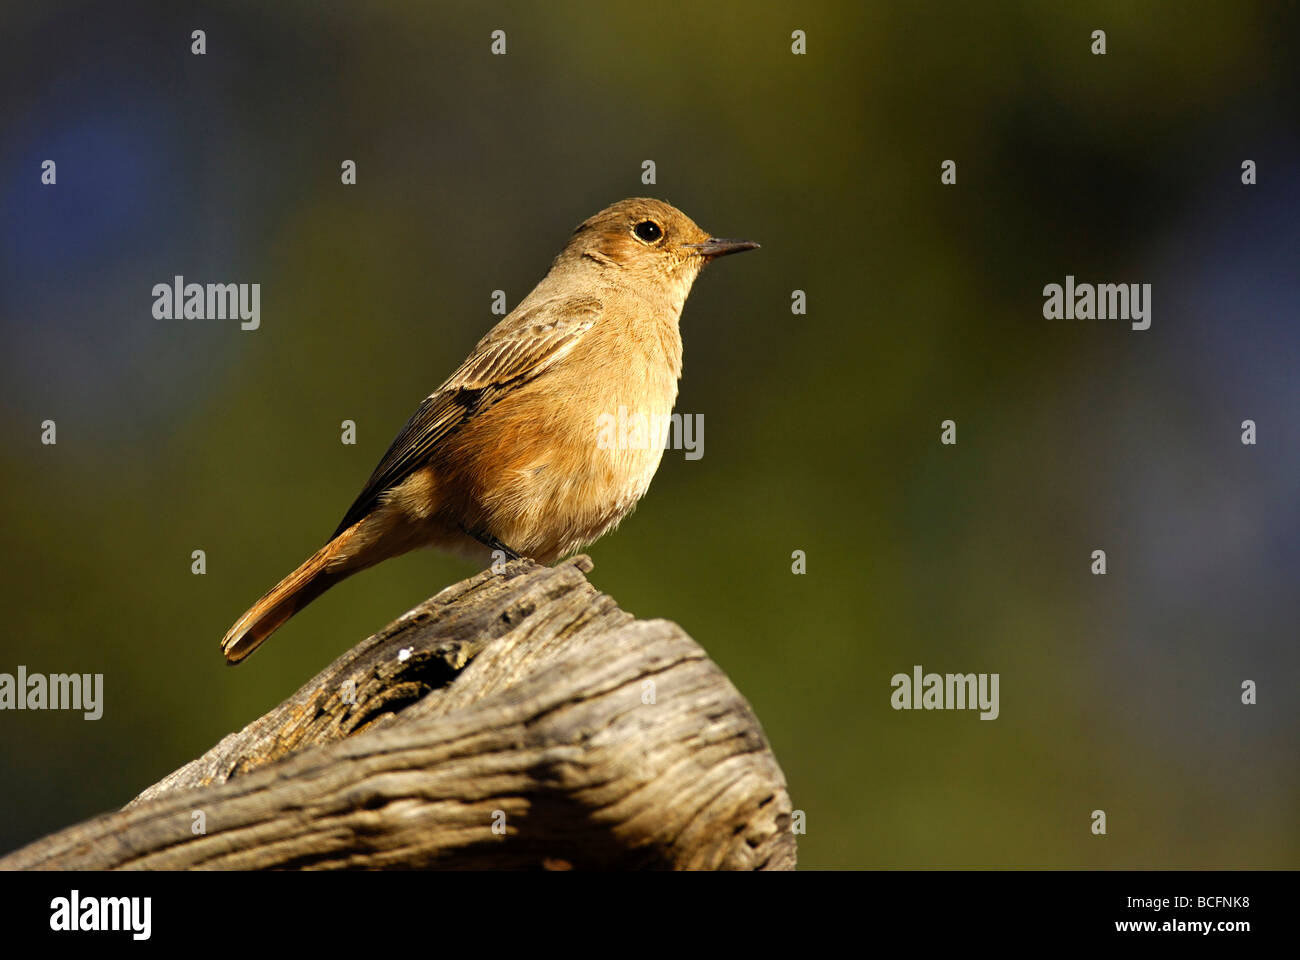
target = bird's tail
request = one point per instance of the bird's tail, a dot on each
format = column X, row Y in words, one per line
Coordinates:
column 286, row 598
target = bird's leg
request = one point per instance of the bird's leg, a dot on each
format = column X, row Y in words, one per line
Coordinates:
column 492, row 543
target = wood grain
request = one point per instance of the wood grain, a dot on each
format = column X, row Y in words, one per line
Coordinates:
column 515, row 720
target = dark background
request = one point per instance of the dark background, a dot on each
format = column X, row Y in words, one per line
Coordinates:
column 1119, row 692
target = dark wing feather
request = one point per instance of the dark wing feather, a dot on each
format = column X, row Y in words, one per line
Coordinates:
column 517, row 349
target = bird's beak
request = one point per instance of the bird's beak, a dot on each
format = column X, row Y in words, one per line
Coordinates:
column 715, row 247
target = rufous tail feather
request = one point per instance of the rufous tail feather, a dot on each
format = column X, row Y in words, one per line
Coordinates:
column 285, row 599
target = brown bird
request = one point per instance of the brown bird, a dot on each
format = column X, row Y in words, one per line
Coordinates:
column 507, row 453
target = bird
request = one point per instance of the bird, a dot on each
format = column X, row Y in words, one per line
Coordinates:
column 504, row 455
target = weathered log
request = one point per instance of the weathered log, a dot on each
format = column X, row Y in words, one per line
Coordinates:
column 515, row 720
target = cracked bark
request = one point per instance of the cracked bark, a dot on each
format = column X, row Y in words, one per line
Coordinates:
column 505, row 723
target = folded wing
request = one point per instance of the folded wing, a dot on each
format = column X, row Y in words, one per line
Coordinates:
column 518, row 349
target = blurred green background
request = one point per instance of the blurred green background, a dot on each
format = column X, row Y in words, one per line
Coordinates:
column 822, row 431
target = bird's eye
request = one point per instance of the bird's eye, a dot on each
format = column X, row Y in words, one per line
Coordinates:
column 648, row 231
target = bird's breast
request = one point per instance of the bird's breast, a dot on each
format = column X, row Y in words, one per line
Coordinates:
column 566, row 456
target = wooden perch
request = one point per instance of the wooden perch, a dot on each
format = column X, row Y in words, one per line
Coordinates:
column 515, row 720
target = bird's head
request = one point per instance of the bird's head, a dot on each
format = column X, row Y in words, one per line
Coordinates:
column 649, row 244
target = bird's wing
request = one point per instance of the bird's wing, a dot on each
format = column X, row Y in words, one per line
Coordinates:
column 516, row 350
